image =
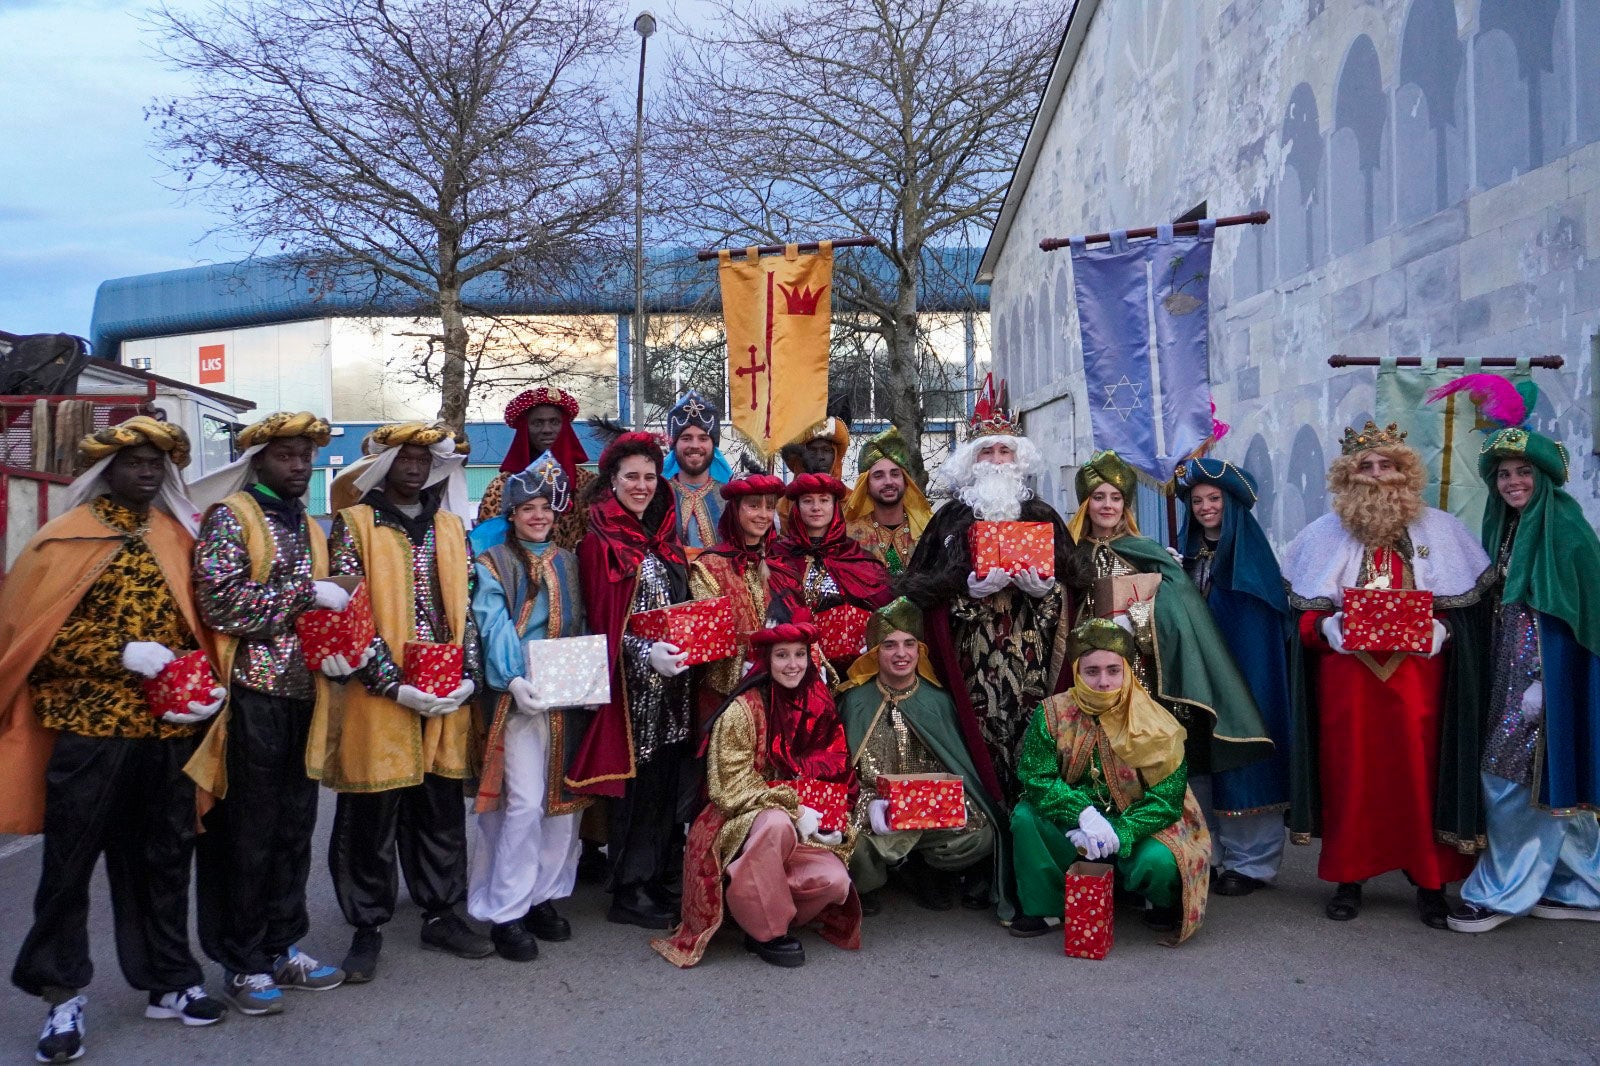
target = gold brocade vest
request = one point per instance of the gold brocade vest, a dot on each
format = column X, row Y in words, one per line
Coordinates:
column 208, row 766
column 372, row 744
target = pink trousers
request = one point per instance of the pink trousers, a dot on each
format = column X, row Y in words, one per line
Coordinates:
column 775, row 884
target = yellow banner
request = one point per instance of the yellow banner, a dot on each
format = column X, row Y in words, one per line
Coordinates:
column 776, row 312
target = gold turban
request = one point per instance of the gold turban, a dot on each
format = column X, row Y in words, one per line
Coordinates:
column 1103, row 468
column 399, row 434
column 1100, row 634
column 282, row 424
column 140, row 429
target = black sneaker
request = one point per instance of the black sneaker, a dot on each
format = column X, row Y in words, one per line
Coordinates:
column 1556, row 911
column 1026, row 925
column 632, row 905
column 1234, row 883
column 447, row 932
column 1163, row 919
column 62, row 1037
column 1471, row 918
column 783, row 951
column 1346, row 902
column 543, row 922
column 361, row 964
column 513, row 941
column 191, row 1007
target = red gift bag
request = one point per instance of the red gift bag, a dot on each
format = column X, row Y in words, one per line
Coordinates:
column 348, row 632
column 1388, row 620
column 828, row 798
column 436, row 669
column 702, row 628
column 844, row 631
column 924, row 801
column 1086, row 918
column 1013, row 547
column 185, row 680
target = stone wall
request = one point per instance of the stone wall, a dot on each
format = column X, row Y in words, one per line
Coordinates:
column 1433, row 170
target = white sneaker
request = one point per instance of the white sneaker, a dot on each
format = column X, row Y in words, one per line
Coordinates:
column 62, row 1037
column 191, row 1007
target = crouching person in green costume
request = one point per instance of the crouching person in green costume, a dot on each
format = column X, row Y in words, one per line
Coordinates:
column 1103, row 778
column 899, row 721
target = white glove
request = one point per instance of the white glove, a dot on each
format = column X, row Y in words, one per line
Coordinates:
column 987, row 585
column 198, row 712
column 1333, row 632
column 1030, row 582
column 525, row 698
column 414, row 699
column 445, row 704
column 145, row 658
column 808, row 822
column 1177, row 556
column 1095, row 826
column 331, row 596
column 1533, row 702
column 339, row 668
column 667, row 659
column 832, row 839
column 1080, row 840
column 878, row 815
column 1440, row 635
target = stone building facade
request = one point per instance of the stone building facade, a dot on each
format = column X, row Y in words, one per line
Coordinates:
column 1433, row 172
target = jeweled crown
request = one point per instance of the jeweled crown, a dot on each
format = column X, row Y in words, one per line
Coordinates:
column 1370, row 436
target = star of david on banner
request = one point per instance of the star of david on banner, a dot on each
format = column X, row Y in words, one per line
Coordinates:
column 1142, row 313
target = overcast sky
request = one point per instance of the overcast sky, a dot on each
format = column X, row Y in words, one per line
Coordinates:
column 81, row 194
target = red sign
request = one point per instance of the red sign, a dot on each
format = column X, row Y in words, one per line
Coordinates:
column 213, row 364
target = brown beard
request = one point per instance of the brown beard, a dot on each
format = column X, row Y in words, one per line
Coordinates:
column 1377, row 510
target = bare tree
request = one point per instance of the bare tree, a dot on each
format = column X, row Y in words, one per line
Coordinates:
column 430, row 147
column 897, row 118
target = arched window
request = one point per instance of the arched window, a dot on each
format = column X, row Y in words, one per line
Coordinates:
column 1305, row 490
column 1302, row 232
column 1358, row 153
column 1430, row 113
column 1258, row 460
column 1521, row 95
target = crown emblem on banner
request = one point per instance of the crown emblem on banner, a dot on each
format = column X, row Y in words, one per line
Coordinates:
column 1370, row 436
column 989, row 417
column 798, row 300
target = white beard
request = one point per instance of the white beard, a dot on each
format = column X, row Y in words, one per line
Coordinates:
column 996, row 492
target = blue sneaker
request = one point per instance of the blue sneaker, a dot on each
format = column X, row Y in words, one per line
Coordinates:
column 252, row 993
column 296, row 969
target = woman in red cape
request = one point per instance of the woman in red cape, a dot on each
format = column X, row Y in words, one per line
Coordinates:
column 636, row 751
column 782, row 869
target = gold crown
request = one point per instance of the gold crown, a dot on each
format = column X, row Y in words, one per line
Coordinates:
column 1370, row 437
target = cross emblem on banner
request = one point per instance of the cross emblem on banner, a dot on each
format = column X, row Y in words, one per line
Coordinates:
column 1123, row 403
column 752, row 370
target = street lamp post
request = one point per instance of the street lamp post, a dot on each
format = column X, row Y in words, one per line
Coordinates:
column 644, row 26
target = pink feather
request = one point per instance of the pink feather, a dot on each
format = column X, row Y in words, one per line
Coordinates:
column 1496, row 397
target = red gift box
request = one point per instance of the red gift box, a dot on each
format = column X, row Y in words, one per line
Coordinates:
column 436, row 669
column 1086, row 917
column 347, row 632
column 924, row 801
column 703, row 628
column 1013, row 547
column 828, row 798
column 185, row 680
column 844, row 631
column 1388, row 620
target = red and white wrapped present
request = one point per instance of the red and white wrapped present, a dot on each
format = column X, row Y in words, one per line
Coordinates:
column 1386, row 620
column 702, row 628
column 844, row 631
column 185, row 680
column 348, row 632
column 830, row 799
column 1013, row 547
column 924, row 801
column 436, row 669
column 1086, row 916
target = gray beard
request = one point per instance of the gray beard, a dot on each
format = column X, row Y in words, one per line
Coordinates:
column 996, row 492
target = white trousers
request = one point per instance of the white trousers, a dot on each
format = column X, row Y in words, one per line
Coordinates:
column 522, row 857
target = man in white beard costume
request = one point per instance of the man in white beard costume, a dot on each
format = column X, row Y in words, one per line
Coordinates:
column 997, row 640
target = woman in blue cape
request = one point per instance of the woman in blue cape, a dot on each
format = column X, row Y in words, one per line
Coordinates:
column 1225, row 552
column 1541, row 759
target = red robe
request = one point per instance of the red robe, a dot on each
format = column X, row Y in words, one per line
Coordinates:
column 1379, row 754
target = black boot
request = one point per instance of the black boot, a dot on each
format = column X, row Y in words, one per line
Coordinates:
column 447, row 932
column 632, row 905
column 1432, row 909
column 934, row 890
column 513, row 941
column 783, row 951
column 543, row 922
column 592, row 864
column 1346, row 902
column 361, row 964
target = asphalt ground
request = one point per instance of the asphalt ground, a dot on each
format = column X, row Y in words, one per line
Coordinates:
column 1267, row 979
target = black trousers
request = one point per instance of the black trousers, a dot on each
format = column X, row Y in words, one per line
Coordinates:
column 129, row 799
column 648, row 819
column 426, row 824
column 255, row 854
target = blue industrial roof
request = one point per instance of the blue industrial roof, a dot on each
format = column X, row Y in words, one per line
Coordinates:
column 256, row 292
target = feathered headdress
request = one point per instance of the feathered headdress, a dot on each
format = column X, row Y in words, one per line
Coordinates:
column 1511, row 405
